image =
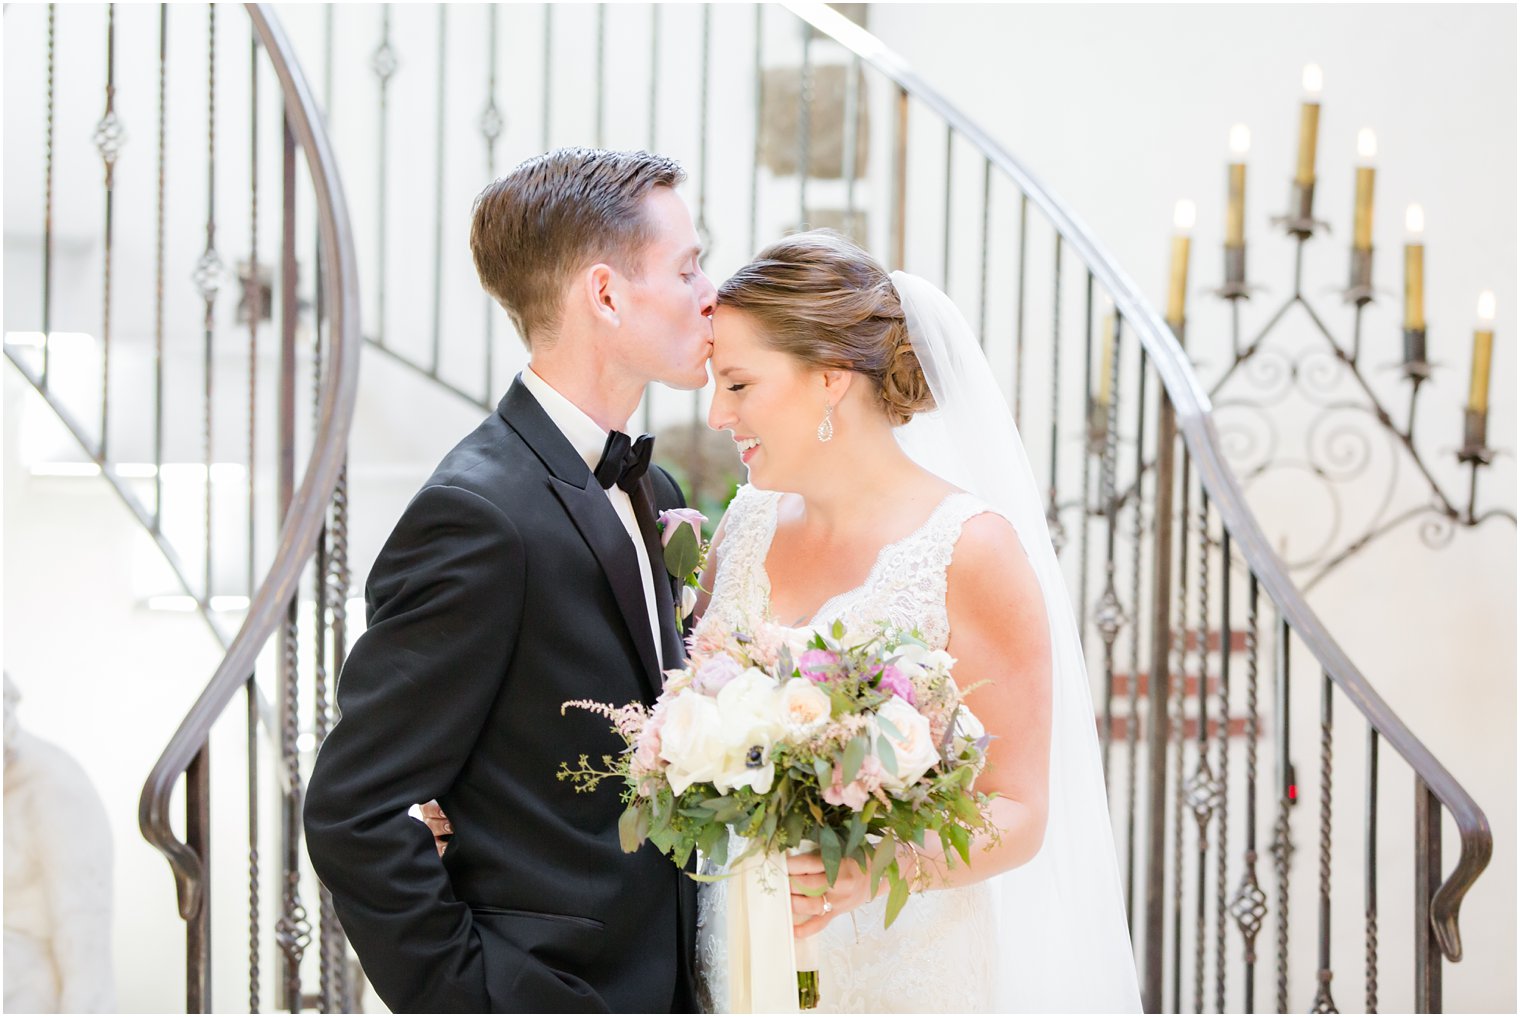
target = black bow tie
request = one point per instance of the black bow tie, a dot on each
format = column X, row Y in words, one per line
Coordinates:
column 624, row 460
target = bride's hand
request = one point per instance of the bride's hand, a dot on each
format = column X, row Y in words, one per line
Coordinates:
column 810, row 916
column 432, row 815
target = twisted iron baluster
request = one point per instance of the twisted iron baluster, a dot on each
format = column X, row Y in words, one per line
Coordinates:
column 1371, row 891
column 208, row 278
column 109, row 137
column 601, row 69
column 850, row 163
column 1221, row 875
column 158, row 257
column 1323, row 1002
column 1110, row 615
column 1204, row 791
column 1132, row 722
column 1249, row 905
column 47, row 206
column 255, row 314
column 695, row 470
column 383, row 64
column 293, row 930
column 1018, row 320
column 804, row 124
column 654, row 133
column 438, row 165
column 981, row 332
column 548, row 76
column 1089, row 451
column 491, row 127
column 1282, row 834
column 949, row 179
column 754, row 172
column 339, row 578
column 1052, row 514
column 1178, row 690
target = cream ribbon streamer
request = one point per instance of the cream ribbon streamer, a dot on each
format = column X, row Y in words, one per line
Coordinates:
column 763, row 956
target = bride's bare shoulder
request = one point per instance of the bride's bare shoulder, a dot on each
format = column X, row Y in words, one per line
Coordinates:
column 989, row 566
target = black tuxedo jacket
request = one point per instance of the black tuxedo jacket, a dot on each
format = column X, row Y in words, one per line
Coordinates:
column 508, row 587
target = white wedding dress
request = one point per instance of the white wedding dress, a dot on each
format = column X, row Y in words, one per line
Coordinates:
column 940, row 954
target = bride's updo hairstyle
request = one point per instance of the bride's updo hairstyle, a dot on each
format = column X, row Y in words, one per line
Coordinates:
column 825, row 301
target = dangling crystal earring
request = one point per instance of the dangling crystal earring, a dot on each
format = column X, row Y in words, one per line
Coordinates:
column 826, row 429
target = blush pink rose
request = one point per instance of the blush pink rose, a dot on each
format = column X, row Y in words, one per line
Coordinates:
column 855, row 794
column 646, row 753
column 815, row 664
column 715, row 673
column 894, row 682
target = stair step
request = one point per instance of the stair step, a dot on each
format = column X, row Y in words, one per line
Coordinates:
column 1237, row 728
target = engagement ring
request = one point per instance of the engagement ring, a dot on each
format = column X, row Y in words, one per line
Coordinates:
column 827, row 907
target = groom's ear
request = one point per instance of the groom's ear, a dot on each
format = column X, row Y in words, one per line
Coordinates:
column 601, row 289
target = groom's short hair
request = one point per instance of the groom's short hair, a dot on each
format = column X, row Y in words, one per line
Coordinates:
column 555, row 214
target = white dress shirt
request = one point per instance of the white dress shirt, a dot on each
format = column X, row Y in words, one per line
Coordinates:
column 588, row 439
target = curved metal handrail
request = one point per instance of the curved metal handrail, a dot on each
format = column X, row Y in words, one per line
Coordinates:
column 308, row 505
column 1195, row 420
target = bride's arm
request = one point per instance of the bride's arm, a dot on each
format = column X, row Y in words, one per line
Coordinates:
column 709, row 573
column 1000, row 635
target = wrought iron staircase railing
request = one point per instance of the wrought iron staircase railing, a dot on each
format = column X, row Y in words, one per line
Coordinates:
column 1180, row 580
column 1172, row 574
column 293, row 533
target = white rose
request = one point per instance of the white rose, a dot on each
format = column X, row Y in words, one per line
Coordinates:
column 967, row 727
column 690, row 742
column 747, row 707
column 688, row 601
column 915, row 749
column 749, row 722
column 915, row 660
column 804, row 707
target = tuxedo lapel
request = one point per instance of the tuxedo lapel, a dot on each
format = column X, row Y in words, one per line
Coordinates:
column 594, row 517
column 664, row 593
column 604, row 534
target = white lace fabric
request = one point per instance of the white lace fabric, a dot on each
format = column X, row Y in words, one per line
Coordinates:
column 938, row 956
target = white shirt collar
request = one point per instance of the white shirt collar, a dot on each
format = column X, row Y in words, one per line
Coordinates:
column 584, row 434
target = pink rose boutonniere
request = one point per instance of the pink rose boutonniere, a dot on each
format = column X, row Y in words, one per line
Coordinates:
column 685, row 554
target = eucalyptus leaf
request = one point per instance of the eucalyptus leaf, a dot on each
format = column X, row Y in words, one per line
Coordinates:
column 681, row 553
column 831, row 850
column 887, row 753
column 897, row 897
column 854, row 756
column 857, row 834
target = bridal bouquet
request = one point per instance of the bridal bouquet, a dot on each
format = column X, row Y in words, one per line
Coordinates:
column 854, row 742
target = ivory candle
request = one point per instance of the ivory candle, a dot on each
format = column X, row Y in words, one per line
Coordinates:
column 1308, row 125
column 1483, row 353
column 1176, row 303
column 1414, row 268
column 1235, row 217
column 1366, row 150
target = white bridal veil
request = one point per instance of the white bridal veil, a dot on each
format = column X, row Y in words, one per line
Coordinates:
column 1062, row 938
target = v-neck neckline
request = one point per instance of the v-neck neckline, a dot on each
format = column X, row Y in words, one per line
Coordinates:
column 871, row 576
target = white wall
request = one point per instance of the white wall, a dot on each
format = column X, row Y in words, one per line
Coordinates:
column 1122, row 110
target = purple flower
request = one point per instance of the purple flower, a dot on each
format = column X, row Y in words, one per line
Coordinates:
column 815, row 664
column 715, row 673
column 894, row 682
column 671, row 520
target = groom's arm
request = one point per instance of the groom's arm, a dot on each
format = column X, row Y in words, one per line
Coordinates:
column 445, row 603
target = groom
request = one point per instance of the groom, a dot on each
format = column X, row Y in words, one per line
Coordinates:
column 525, row 573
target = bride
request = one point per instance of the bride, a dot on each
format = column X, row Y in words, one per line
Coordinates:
column 888, row 483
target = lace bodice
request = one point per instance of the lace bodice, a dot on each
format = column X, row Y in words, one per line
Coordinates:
column 939, row 955
column 906, row 585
